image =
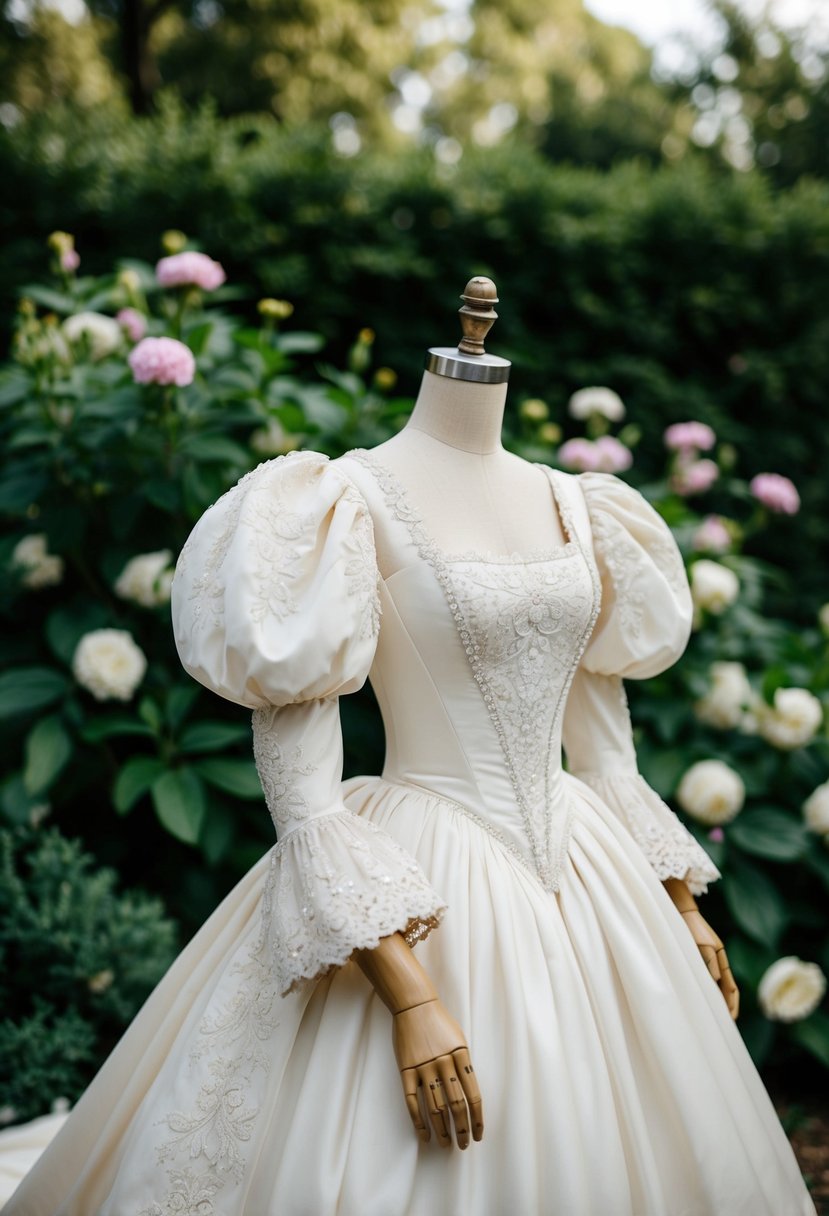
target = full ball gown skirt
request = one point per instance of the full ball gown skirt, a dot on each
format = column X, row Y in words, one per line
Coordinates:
column 258, row 1079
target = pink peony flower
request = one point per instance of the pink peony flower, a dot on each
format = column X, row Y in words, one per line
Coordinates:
column 133, row 323
column 712, row 535
column 693, row 436
column 613, row 456
column 70, row 260
column 716, row 834
column 190, row 269
column 775, row 492
column 694, row 477
column 162, row 361
column 579, row 454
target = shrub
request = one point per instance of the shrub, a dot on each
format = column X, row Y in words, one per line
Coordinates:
column 77, row 958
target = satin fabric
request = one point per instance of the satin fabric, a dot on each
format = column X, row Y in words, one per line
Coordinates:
column 615, row 1082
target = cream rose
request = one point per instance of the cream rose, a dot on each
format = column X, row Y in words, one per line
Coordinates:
column 39, row 567
column 711, row 792
column 103, row 333
column 109, row 664
column 791, row 989
column 147, row 579
column 816, row 810
column 730, row 695
column 713, row 586
column 792, row 721
column 595, row 399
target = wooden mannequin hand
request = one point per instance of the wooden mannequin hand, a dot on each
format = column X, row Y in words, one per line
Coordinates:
column 433, row 1057
column 429, row 1045
column 709, row 943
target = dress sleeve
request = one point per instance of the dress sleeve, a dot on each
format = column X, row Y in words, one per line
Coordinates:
column 642, row 629
column 275, row 606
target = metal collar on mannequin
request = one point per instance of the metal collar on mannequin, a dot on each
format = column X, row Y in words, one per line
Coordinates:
column 468, row 360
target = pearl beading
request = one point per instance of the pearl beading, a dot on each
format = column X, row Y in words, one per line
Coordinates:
column 547, row 860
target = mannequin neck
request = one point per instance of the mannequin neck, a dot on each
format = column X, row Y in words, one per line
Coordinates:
column 460, row 413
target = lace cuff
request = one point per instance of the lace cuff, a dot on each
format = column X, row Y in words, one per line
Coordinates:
column 335, row 885
column 668, row 845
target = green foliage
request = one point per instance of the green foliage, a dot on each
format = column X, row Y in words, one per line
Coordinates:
column 157, row 774
column 77, row 958
column 692, row 293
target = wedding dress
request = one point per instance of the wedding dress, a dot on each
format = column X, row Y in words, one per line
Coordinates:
column 258, row 1079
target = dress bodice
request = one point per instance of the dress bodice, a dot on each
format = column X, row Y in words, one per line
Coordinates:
column 486, row 646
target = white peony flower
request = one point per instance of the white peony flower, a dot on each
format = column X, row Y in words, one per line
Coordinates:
column 816, row 810
column 791, row 989
column 713, row 586
column 792, row 721
column 109, row 664
column 596, row 400
column 103, row 333
column 729, row 697
column 711, row 792
column 40, row 567
column 147, row 579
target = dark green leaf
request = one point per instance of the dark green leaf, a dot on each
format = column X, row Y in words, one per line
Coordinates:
column 217, row 832
column 134, row 780
column 758, row 1035
column 813, row 1034
column 216, row 448
column 25, row 689
column 48, row 748
column 179, row 800
column 237, row 777
column 213, row 736
column 66, row 626
column 754, row 902
column 179, row 703
column 770, row 833
column 110, row 728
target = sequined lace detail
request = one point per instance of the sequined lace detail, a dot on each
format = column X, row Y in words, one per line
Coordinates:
column 524, row 627
column 280, row 773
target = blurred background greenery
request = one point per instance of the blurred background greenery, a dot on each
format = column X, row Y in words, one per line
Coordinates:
column 661, row 232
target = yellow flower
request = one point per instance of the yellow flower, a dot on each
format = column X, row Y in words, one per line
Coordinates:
column 26, row 307
column 385, row 378
column 278, row 309
column 129, row 280
column 365, row 337
column 535, row 410
column 173, row 240
column 550, row 432
column 61, row 242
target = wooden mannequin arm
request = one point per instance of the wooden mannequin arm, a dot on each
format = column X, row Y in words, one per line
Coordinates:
column 429, row 1045
column 710, row 945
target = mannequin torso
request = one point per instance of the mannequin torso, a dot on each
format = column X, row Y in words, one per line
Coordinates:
column 470, row 492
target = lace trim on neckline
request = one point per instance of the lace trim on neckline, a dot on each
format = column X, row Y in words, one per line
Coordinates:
column 548, row 855
column 535, row 556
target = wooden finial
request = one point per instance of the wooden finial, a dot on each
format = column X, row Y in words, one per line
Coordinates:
column 477, row 314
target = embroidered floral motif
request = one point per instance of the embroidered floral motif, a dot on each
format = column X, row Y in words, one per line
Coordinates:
column 278, row 537
column 279, row 774
column 190, row 1194
column 524, row 627
column 221, row 1123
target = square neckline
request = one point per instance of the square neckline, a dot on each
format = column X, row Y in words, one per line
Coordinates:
column 367, row 457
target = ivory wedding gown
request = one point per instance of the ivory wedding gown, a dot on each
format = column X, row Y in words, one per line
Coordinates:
column 258, row 1079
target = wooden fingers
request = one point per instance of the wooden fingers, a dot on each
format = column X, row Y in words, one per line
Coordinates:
column 469, row 1084
column 410, row 1086
column 432, row 1089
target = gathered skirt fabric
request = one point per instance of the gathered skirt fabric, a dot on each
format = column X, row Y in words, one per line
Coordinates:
column 614, row 1081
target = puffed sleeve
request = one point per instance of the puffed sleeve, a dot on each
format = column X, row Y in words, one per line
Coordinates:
column 642, row 629
column 275, row 606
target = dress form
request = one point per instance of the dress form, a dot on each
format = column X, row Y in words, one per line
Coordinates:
column 470, row 491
